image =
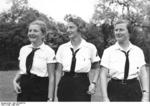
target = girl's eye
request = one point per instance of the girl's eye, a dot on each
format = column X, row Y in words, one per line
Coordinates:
column 70, row 27
column 29, row 30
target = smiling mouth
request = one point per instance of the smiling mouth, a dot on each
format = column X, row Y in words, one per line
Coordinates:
column 119, row 36
column 69, row 33
column 32, row 36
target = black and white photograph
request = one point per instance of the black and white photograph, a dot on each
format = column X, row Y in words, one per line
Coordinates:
column 74, row 51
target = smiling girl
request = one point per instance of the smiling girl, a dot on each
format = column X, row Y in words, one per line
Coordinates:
column 35, row 80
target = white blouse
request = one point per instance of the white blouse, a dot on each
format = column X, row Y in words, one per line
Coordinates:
column 42, row 57
column 86, row 55
column 114, row 59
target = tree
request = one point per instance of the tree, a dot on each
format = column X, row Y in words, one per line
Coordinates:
column 15, row 12
column 106, row 13
column 103, row 13
column 93, row 34
column 13, row 31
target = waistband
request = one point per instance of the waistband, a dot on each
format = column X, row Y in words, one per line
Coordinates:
column 129, row 81
column 32, row 76
column 76, row 74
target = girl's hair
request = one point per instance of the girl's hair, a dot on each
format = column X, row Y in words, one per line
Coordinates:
column 80, row 23
column 41, row 24
column 129, row 26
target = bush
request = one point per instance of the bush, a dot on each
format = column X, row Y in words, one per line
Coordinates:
column 9, row 65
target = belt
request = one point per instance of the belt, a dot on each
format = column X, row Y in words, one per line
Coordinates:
column 76, row 74
column 33, row 76
column 129, row 81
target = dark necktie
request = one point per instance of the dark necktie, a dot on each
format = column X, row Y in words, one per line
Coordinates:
column 29, row 60
column 126, row 69
column 73, row 63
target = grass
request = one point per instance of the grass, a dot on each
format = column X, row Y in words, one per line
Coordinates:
column 7, row 92
column 6, row 86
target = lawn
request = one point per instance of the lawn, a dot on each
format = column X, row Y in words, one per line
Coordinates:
column 6, row 87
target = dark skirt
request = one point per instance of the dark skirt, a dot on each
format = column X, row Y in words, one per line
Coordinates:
column 130, row 91
column 33, row 88
column 72, row 88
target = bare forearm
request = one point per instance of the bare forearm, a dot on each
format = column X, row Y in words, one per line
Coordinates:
column 145, row 84
column 103, row 77
column 96, row 75
column 51, row 74
column 58, row 77
column 96, row 70
column 51, row 87
column 144, row 79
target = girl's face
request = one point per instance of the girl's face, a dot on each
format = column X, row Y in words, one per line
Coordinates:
column 121, row 32
column 35, row 34
column 72, row 30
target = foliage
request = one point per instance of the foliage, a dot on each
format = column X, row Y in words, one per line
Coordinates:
column 14, row 26
column 94, row 35
column 108, row 11
column 13, row 31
